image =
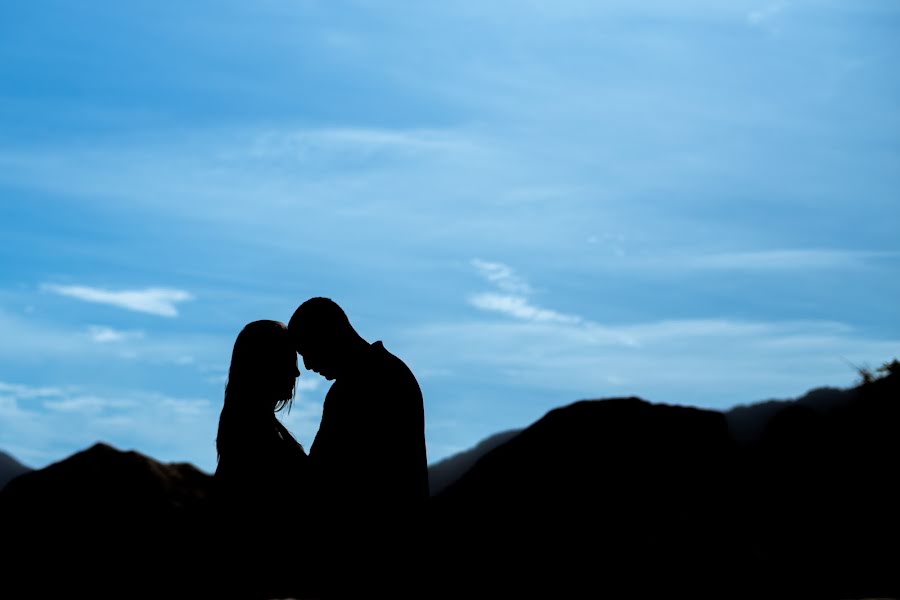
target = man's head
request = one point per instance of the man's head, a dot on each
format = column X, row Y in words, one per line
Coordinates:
column 323, row 336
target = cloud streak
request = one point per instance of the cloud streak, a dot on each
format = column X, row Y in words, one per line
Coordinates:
column 787, row 259
column 519, row 308
column 45, row 424
column 102, row 334
column 711, row 361
column 114, row 356
column 154, row 301
column 502, row 276
column 513, row 301
column 361, row 141
column 87, row 404
column 706, row 362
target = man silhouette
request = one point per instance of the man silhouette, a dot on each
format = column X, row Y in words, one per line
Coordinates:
column 371, row 441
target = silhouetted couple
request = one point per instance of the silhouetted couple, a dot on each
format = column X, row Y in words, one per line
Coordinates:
column 367, row 463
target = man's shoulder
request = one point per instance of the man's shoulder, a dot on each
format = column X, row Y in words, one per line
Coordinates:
column 391, row 367
column 387, row 358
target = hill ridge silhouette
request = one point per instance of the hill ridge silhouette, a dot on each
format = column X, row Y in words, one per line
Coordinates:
column 611, row 496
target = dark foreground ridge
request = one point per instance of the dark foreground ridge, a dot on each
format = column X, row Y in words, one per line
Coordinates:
column 602, row 498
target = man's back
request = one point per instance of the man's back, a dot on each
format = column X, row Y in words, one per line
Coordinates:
column 371, row 442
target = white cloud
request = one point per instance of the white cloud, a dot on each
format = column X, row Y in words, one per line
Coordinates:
column 105, row 335
column 154, row 301
column 786, row 259
column 713, row 362
column 518, row 307
column 182, row 406
column 705, row 362
column 29, row 340
column 502, row 276
column 19, row 391
column 513, row 302
column 86, row 404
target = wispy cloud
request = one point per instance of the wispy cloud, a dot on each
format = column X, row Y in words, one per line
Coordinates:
column 712, row 361
column 154, row 301
column 106, row 335
column 502, row 276
column 704, row 362
column 27, row 392
column 513, row 301
column 518, row 307
column 28, row 341
column 87, row 404
column 787, row 259
column 45, row 424
column 298, row 143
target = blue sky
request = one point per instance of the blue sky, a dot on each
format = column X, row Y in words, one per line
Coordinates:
column 530, row 203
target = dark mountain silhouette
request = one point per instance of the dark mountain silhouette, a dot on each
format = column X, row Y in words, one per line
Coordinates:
column 103, row 480
column 593, row 490
column 600, row 498
column 622, row 496
column 818, row 482
column 10, row 468
column 109, row 523
column 441, row 474
column 747, row 422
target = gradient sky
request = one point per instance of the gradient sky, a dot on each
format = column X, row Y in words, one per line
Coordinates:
column 531, row 203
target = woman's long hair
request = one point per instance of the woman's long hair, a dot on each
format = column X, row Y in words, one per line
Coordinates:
column 261, row 355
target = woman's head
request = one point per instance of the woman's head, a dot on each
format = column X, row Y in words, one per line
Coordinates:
column 263, row 368
column 261, row 382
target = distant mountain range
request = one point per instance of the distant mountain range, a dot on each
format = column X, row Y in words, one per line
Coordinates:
column 599, row 498
column 10, row 468
column 443, row 473
column 746, row 424
column 105, row 480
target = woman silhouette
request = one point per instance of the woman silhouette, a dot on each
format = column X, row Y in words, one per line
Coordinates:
column 260, row 464
column 261, row 468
